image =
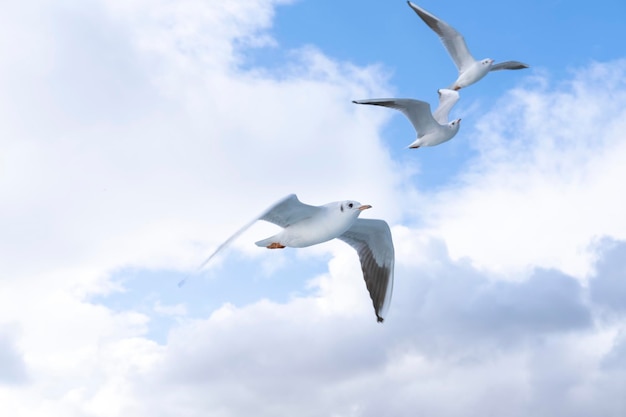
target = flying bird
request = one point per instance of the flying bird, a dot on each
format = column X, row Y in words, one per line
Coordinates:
column 432, row 129
column 305, row 225
column 470, row 70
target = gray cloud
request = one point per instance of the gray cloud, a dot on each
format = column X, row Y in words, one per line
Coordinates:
column 457, row 306
column 615, row 359
column 608, row 288
column 12, row 365
column 451, row 330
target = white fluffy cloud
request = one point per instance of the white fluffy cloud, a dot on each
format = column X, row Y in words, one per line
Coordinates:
column 130, row 137
column 547, row 183
column 123, row 153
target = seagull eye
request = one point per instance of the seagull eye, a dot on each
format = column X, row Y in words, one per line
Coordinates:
column 350, row 205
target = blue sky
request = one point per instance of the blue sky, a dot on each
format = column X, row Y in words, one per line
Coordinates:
column 137, row 136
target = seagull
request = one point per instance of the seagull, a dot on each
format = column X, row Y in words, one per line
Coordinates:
column 432, row 129
column 470, row 70
column 305, row 225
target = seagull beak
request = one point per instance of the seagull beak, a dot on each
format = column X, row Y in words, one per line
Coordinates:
column 365, row 207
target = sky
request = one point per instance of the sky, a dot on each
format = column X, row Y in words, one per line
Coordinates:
column 136, row 136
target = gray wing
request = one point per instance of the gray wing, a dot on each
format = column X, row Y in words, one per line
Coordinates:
column 417, row 111
column 509, row 65
column 288, row 211
column 372, row 241
column 283, row 213
column 447, row 100
column 450, row 37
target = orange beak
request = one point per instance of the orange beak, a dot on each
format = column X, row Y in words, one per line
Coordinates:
column 365, row 207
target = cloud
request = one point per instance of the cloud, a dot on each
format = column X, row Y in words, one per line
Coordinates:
column 127, row 127
column 140, row 145
column 544, row 185
column 452, row 341
column 456, row 308
column 608, row 289
column 12, row 366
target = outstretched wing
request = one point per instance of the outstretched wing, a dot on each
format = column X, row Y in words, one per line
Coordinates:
column 417, row 111
column 372, row 241
column 283, row 213
column 288, row 211
column 447, row 100
column 450, row 37
column 509, row 65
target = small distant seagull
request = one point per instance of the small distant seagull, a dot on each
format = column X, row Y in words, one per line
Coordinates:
column 470, row 70
column 306, row 225
column 432, row 129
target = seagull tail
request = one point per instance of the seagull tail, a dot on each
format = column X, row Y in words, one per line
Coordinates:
column 266, row 242
column 416, row 144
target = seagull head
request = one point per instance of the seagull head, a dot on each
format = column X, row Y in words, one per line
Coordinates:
column 487, row 61
column 353, row 208
column 455, row 124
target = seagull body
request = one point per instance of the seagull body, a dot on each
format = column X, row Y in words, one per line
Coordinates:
column 432, row 128
column 325, row 223
column 470, row 70
column 305, row 225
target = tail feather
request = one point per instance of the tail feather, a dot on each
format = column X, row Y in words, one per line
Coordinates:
column 266, row 242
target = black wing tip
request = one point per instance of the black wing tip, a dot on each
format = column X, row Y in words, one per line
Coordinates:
column 379, row 319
